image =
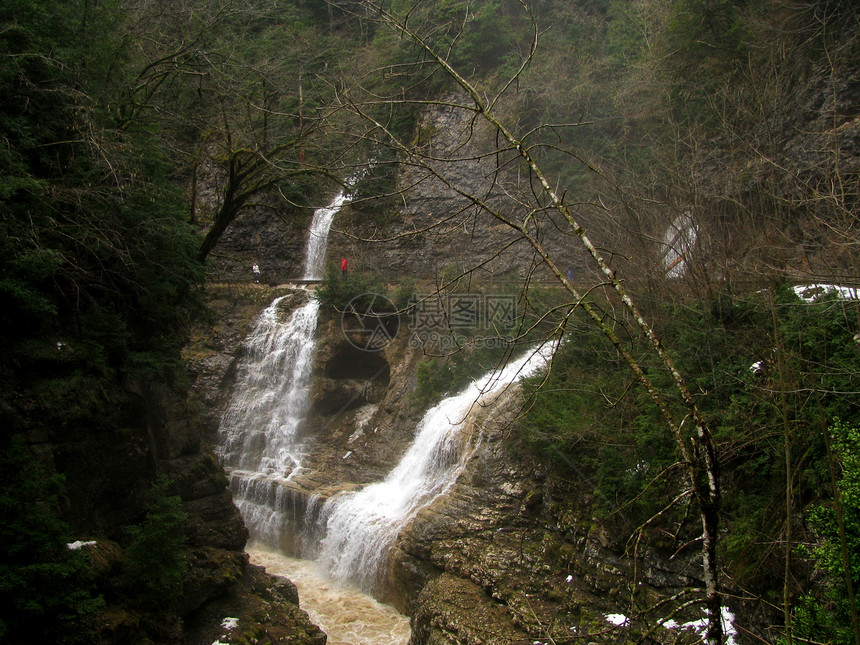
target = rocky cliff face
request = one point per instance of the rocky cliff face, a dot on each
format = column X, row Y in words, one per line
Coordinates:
column 146, row 430
column 434, row 230
column 438, row 230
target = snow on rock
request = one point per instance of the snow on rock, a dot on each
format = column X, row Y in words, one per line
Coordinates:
column 616, row 619
column 77, row 544
column 699, row 626
column 810, row 292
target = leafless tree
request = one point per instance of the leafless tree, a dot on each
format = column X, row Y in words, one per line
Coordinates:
column 529, row 204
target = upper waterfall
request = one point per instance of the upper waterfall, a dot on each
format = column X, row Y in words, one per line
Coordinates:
column 318, row 237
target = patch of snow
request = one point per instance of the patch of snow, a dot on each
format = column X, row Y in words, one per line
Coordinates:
column 616, row 619
column 810, row 292
column 362, row 416
column 230, row 623
column 348, row 453
column 701, row 626
column 74, row 546
column 364, row 413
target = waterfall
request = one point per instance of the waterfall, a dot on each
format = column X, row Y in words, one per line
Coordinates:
column 362, row 526
column 259, row 433
column 679, row 241
column 318, row 237
column 260, row 443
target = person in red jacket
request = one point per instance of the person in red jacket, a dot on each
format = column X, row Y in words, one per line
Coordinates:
column 343, row 266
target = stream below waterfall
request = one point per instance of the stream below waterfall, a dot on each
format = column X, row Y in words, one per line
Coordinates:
column 346, row 615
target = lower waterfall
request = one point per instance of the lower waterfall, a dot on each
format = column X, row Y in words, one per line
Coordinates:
column 360, row 527
column 258, row 435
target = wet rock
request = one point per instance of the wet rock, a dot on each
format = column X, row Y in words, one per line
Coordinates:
column 211, row 572
column 261, row 609
column 451, row 610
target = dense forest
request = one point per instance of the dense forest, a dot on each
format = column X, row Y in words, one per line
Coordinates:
column 735, row 120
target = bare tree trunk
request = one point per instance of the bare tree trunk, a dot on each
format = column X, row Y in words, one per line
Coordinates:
column 699, row 455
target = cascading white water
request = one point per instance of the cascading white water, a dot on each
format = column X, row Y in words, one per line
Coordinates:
column 258, row 431
column 362, row 526
column 259, row 434
column 261, row 448
column 318, row 237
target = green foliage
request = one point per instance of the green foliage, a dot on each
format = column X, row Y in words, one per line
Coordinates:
column 154, row 559
column 590, row 422
column 624, row 33
column 438, row 377
column 618, row 448
column 703, row 27
column 93, row 250
column 830, row 621
column 473, row 36
column 404, row 294
column 456, row 365
column 339, row 290
column 45, row 588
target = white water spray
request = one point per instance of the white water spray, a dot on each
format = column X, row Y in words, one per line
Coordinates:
column 259, row 435
column 258, row 431
column 318, row 237
column 321, row 226
column 260, row 442
column 362, row 526
column 679, row 241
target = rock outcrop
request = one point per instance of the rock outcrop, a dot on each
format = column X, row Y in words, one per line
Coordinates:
column 259, row 609
column 143, row 431
column 513, row 554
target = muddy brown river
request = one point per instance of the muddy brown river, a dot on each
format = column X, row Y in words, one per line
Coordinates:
column 348, row 616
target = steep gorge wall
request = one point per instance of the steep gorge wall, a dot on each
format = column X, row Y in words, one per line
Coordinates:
column 140, row 431
column 512, row 554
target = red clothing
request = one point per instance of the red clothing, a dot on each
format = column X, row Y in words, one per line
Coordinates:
column 343, row 265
